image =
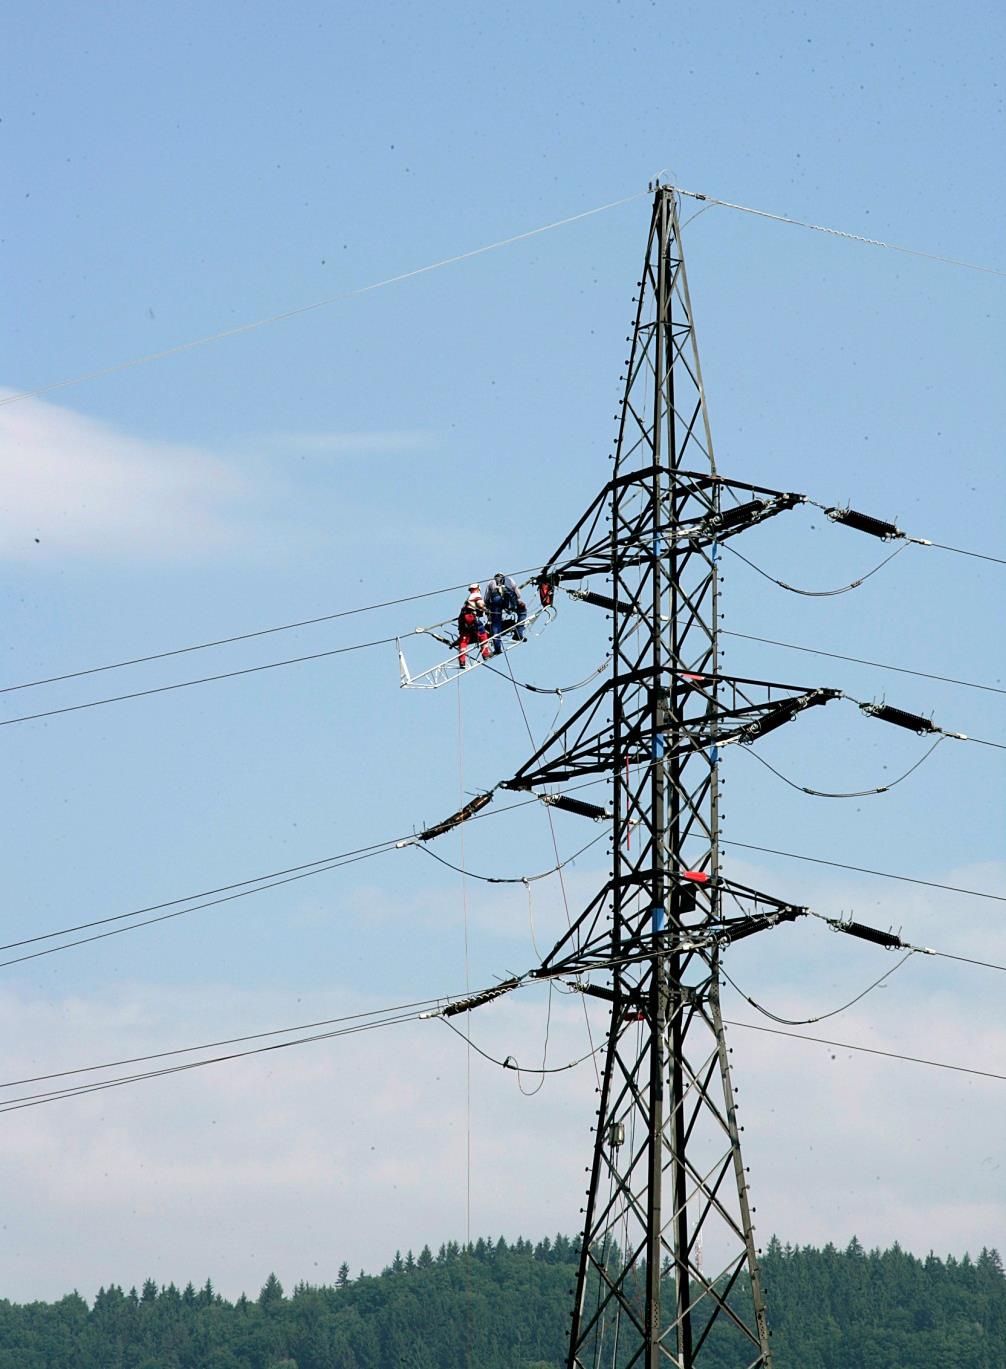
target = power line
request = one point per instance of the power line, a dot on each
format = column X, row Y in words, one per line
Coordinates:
column 368, row 1020
column 867, row 1050
column 261, row 883
column 325, row 861
column 251, row 326
column 842, row 233
column 821, row 1017
column 255, row 670
column 16, row 1104
column 979, row 555
column 969, row 960
column 245, row 636
column 511, row 1064
column 464, row 256
column 877, row 527
column 361, row 1022
column 846, row 794
column 357, row 1023
column 285, row 314
column 859, row 660
column 980, row 741
column 557, row 690
column 324, row 864
column 855, row 584
column 430, row 594
column 228, row 641
column 917, row 722
column 226, row 1041
column 181, row 912
column 864, row 523
column 512, row 879
column 815, row 593
column 205, row 679
column 865, row 870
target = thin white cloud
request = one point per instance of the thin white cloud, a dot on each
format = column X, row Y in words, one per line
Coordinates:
column 77, row 487
column 74, row 486
column 352, row 1148
column 294, row 1162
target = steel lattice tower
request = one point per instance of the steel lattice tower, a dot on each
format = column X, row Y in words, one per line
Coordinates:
column 668, row 1271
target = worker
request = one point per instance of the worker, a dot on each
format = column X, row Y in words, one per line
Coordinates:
column 472, row 626
column 507, row 610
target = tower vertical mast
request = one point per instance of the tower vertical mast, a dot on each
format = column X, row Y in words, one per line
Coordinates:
column 667, row 1172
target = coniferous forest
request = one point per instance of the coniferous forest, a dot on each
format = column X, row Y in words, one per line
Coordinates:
column 504, row 1306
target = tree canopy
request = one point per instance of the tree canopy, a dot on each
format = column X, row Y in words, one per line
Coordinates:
column 506, row 1306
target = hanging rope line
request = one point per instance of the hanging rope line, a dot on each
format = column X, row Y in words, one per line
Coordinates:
column 530, row 1093
column 558, row 859
column 467, row 1032
column 468, row 983
column 530, row 924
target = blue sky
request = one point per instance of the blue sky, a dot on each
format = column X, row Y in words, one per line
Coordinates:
column 170, row 174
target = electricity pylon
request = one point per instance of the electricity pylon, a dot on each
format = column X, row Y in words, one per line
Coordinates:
column 668, row 1270
column 667, row 1180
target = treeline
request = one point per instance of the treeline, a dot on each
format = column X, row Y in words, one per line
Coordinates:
column 506, row 1306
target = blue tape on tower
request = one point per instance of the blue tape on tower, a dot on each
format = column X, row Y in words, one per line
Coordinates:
column 716, row 552
column 714, row 755
column 658, row 920
column 658, row 745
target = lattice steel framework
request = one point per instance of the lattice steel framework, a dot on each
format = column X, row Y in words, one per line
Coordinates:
column 668, row 1272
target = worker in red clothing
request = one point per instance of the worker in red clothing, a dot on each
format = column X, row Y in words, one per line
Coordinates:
column 473, row 626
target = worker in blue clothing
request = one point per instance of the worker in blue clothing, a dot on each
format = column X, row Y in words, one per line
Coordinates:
column 507, row 610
